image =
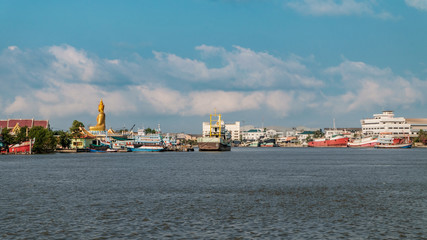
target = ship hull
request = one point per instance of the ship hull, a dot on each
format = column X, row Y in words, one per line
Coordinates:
column 363, row 143
column 334, row 142
column 409, row 145
column 146, row 149
column 212, row 146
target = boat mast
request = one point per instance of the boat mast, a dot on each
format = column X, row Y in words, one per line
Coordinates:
column 216, row 127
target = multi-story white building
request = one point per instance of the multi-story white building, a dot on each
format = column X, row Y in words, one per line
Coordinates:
column 253, row 134
column 232, row 128
column 385, row 122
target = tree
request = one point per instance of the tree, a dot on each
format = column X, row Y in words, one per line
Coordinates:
column 44, row 140
column 149, row 131
column 7, row 137
column 422, row 137
column 75, row 128
column 64, row 139
column 21, row 136
column 318, row 134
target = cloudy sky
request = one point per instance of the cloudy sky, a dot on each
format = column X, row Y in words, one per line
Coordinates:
column 265, row 63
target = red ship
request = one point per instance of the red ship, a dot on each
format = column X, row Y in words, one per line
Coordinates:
column 335, row 141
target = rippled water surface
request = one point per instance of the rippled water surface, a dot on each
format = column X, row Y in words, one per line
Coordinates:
column 291, row 193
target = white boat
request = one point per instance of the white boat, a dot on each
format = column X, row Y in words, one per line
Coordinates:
column 363, row 142
column 147, row 142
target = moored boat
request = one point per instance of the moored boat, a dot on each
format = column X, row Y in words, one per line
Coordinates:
column 218, row 139
column 267, row 144
column 147, row 142
column 21, row 148
column 334, row 141
column 367, row 142
column 98, row 148
column 254, row 144
column 387, row 141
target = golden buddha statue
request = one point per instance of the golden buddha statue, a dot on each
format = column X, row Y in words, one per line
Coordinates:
column 100, row 125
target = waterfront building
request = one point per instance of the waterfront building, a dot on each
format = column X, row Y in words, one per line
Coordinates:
column 232, row 128
column 18, row 123
column 302, row 136
column 417, row 124
column 82, row 142
column 253, row 134
column 271, row 133
column 386, row 122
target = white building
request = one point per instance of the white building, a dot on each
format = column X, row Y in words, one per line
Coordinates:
column 417, row 124
column 253, row 134
column 386, row 123
column 271, row 133
column 232, row 128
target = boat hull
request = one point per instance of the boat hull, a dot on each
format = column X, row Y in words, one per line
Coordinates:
column 334, row 142
column 364, row 143
column 147, row 149
column 211, row 146
column 409, row 145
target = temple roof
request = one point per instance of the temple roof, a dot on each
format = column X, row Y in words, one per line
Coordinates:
column 11, row 123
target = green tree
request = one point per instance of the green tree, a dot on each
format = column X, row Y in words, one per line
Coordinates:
column 149, row 131
column 75, row 128
column 22, row 135
column 318, row 134
column 45, row 141
column 64, row 139
column 422, row 137
column 7, row 137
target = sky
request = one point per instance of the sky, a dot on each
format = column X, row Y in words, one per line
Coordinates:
column 264, row 63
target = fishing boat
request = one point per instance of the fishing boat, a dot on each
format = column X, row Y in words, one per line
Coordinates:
column 389, row 142
column 98, row 148
column 22, row 148
column 254, row 144
column 147, row 142
column 368, row 142
column 334, row 141
column 218, row 139
column 267, row 144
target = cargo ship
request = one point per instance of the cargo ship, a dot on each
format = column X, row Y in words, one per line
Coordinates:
column 334, row 141
column 218, row 139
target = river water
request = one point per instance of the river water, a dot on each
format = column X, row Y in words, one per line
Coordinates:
column 248, row 193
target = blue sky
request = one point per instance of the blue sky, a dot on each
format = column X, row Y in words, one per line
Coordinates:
column 272, row 63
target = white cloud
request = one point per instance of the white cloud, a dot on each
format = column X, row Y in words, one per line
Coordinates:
column 337, row 8
column 242, row 67
column 62, row 82
column 71, row 63
column 418, row 4
column 65, row 99
column 12, row 48
column 368, row 87
column 170, row 102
